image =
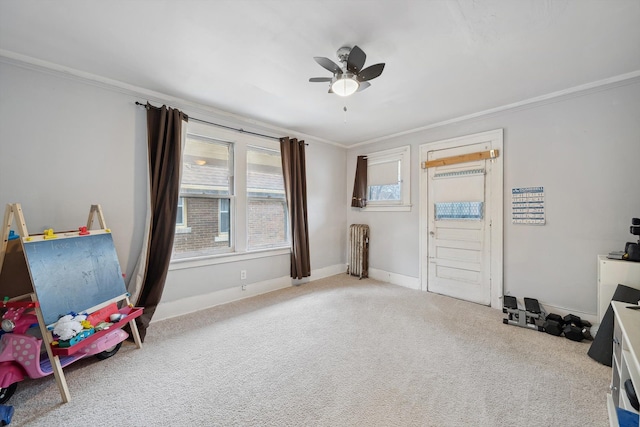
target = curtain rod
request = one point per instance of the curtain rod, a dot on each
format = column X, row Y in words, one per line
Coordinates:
column 224, row 126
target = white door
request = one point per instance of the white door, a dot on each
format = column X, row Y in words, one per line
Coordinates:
column 460, row 206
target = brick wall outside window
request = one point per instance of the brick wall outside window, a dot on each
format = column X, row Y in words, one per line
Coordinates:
column 202, row 220
column 266, row 223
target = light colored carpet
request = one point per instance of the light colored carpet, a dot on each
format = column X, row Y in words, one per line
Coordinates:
column 333, row 352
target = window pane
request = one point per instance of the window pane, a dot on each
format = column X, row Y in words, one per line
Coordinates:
column 205, row 190
column 385, row 192
column 208, row 228
column 225, row 217
column 384, row 180
column 206, row 167
column 180, row 216
column 266, row 204
column 267, row 223
column 384, row 173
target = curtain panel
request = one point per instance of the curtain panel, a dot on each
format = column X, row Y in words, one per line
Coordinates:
column 359, row 199
column 164, row 142
column 295, row 184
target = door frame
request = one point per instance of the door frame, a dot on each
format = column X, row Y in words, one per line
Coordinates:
column 495, row 215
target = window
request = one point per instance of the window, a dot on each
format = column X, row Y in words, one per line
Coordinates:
column 388, row 180
column 231, row 194
column 224, row 220
column 207, row 172
column 180, row 218
column 266, row 202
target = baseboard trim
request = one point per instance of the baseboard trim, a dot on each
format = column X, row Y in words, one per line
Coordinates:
column 592, row 318
column 395, row 279
column 167, row 310
column 321, row 273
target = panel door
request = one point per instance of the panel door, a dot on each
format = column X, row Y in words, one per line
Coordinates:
column 458, row 227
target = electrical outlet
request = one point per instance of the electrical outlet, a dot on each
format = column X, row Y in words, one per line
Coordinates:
column 244, row 287
column 243, row 274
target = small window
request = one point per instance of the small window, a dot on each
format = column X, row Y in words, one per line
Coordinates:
column 388, row 180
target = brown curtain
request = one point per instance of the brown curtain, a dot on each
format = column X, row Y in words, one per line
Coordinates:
column 359, row 199
column 164, row 133
column 295, row 185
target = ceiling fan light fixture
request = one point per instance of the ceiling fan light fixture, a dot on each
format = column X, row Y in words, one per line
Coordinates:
column 345, row 85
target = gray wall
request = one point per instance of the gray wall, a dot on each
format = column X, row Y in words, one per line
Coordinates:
column 584, row 149
column 66, row 143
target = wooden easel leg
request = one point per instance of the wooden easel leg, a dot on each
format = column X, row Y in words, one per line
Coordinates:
column 6, row 226
column 20, row 223
column 55, row 360
column 60, row 379
column 134, row 328
column 135, row 333
column 97, row 210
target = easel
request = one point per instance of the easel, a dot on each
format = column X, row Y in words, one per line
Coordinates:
column 13, row 213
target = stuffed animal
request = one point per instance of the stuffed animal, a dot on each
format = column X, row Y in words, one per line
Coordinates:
column 69, row 326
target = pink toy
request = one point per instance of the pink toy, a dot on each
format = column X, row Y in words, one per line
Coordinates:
column 20, row 354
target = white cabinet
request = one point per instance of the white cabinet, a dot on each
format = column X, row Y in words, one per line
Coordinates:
column 611, row 273
column 625, row 364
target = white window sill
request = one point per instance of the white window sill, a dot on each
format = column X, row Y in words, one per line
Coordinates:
column 387, row 208
column 180, row 264
column 183, row 230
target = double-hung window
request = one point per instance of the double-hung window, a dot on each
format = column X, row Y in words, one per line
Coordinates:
column 232, row 196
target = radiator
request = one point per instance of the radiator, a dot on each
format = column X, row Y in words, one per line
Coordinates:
column 358, row 250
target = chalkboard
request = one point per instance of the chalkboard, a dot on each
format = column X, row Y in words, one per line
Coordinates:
column 73, row 273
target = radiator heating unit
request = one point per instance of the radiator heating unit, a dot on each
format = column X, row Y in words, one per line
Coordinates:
column 358, row 250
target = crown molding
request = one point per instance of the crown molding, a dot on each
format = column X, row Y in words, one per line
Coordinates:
column 191, row 108
column 611, row 82
column 194, row 108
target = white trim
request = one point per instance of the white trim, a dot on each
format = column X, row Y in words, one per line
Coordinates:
column 592, row 318
column 28, row 62
column 167, row 310
column 497, row 193
column 385, row 208
column 395, row 278
column 190, row 107
column 321, row 273
column 180, row 264
column 621, row 79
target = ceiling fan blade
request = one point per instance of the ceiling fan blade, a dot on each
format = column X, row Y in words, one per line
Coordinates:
column 356, row 59
column 370, row 72
column 328, row 64
column 363, row 86
column 320, row 79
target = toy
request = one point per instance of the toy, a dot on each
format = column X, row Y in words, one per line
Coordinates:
column 20, row 354
column 49, row 234
column 69, row 326
column 116, row 317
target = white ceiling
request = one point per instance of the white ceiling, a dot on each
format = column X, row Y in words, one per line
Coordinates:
column 444, row 58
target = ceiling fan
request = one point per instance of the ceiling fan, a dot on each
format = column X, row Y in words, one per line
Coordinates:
column 350, row 77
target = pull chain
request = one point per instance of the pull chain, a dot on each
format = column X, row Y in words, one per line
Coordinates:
column 345, row 114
